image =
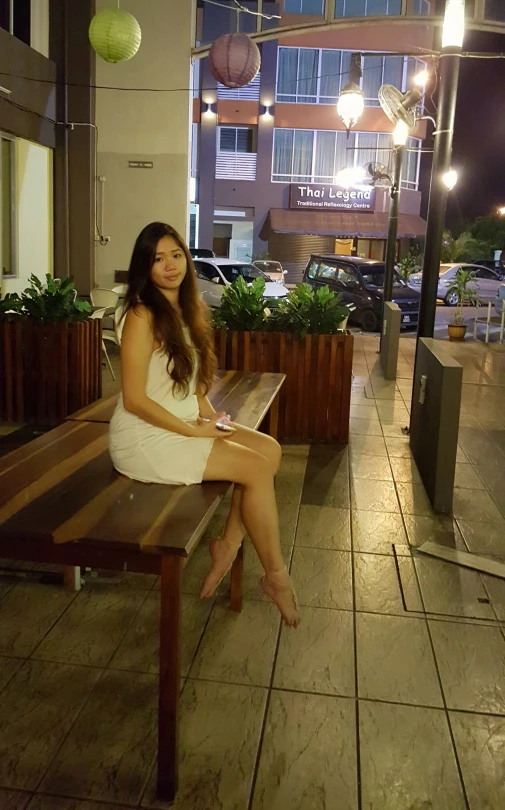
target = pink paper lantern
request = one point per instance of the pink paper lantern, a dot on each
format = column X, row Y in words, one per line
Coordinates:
column 234, row 60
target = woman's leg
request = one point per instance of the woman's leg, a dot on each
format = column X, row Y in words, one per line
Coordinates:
column 234, row 531
column 230, row 461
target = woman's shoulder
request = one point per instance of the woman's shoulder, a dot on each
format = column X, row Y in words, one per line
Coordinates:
column 141, row 311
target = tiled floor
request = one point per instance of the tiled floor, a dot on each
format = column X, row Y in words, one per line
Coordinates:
column 390, row 696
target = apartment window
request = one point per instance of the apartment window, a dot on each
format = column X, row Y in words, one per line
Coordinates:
column 313, row 7
column 495, row 10
column 236, row 139
column 236, row 155
column 8, row 208
column 317, row 76
column 251, row 91
column 15, row 18
column 310, row 156
column 372, row 8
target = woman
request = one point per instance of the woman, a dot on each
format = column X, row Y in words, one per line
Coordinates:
column 164, row 429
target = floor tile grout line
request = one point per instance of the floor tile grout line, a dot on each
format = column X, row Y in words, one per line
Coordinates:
column 274, row 660
column 355, row 643
column 98, row 802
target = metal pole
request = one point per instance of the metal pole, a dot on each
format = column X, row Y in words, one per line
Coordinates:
column 449, row 74
column 394, row 207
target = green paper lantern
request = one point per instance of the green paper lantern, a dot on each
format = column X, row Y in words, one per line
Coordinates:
column 115, row 35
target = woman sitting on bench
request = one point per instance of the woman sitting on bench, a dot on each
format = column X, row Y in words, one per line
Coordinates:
column 165, row 430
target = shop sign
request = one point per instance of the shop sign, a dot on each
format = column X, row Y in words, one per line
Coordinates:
column 318, row 197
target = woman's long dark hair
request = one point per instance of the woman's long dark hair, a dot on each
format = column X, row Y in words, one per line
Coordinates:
column 167, row 325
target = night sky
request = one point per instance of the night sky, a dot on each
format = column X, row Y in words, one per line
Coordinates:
column 479, row 136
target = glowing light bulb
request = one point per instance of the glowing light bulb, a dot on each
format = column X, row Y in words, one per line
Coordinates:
column 453, row 32
column 400, row 134
column 450, row 179
column 349, row 177
column 350, row 105
column 422, row 78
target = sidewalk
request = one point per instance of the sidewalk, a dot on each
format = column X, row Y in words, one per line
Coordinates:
column 390, row 696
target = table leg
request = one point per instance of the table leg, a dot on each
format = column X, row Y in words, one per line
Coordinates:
column 169, row 681
column 237, row 572
column 273, row 418
column 72, row 577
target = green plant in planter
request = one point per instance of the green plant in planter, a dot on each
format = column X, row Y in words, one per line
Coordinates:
column 243, row 307
column 52, row 302
column 463, row 286
column 408, row 265
column 307, row 311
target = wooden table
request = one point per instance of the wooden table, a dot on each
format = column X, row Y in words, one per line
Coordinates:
column 62, row 502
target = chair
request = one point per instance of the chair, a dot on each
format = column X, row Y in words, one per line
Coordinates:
column 104, row 298
column 99, row 313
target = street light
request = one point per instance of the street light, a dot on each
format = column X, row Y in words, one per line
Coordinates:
column 352, row 176
column 351, row 104
column 450, row 60
column 450, row 179
column 421, row 79
column 501, row 211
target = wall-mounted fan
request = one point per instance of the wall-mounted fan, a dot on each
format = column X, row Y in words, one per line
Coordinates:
column 379, row 174
column 399, row 106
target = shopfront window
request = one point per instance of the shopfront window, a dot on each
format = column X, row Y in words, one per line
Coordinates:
column 372, row 8
column 495, row 10
column 318, row 75
column 312, row 156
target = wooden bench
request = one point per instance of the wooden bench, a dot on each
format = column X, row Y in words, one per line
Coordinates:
column 62, row 502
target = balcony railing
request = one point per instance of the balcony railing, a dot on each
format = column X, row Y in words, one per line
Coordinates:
column 236, row 166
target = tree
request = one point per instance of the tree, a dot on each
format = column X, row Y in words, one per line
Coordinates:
column 465, row 248
column 490, row 229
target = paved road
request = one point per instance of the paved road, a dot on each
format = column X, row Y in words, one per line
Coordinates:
column 444, row 314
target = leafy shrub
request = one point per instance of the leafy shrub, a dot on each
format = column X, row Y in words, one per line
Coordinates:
column 303, row 311
column 52, row 302
column 306, row 311
column 411, row 263
column 463, row 285
column 242, row 307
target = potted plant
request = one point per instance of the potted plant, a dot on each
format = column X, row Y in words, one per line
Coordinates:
column 302, row 336
column 50, row 353
column 463, row 287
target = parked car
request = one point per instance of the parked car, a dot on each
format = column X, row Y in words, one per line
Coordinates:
column 500, row 297
column 491, row 264
column 202, row 253
column 361, row 282
column 216, row 274
column 485, row 285
column 272, row 269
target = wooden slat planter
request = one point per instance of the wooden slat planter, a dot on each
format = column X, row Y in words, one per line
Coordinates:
column 315, row 399
column 48, row 371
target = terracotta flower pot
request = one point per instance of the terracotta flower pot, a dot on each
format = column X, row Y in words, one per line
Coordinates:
column 457, row 331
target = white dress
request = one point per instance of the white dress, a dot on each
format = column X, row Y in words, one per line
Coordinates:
column 153, row 455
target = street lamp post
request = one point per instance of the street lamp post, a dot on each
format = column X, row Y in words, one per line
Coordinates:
column 452, row 42
column 401, row 134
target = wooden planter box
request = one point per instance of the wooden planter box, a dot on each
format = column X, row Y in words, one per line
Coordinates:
column 315, row 399
column 48, row 371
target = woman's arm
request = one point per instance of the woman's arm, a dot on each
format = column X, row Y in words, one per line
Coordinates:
column 205, row 406
column 137, row 345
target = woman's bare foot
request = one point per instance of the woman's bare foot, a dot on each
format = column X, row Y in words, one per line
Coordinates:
column 277, row 585
column 223, row 553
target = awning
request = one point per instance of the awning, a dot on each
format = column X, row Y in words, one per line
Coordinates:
column 340, row 223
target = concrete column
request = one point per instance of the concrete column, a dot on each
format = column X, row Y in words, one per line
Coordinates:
column 145, row 126
column 207, row 159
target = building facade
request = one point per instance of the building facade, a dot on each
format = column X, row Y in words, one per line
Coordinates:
column 269, row 152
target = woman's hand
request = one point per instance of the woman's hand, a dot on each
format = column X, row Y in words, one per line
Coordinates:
column 206, row 428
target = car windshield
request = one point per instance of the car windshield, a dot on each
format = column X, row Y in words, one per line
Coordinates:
column 445, row 268
column 248, row 271
column 270, row 267
column 373, row 276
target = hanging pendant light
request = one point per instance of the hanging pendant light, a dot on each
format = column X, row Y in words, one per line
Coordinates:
column 234, row 60
column 115, row 35
column 351, row 104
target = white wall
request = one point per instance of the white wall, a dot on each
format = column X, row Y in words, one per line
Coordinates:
column 34, row 214
column 145, row 126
